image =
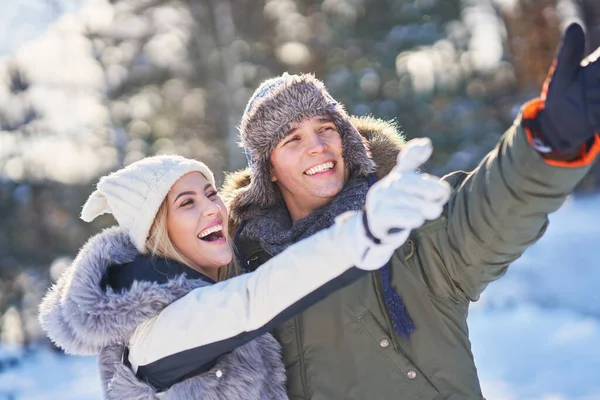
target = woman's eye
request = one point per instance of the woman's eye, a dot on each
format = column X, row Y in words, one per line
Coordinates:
column 212, row 195
column 187, row 202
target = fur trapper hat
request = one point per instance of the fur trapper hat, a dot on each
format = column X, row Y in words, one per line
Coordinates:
column 269, row 115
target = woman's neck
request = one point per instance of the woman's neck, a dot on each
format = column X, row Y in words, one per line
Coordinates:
column 212, row 273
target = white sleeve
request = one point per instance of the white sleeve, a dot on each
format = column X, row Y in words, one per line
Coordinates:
column 247, row 302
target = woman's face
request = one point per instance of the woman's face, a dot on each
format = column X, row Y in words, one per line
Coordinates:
column 197, row 222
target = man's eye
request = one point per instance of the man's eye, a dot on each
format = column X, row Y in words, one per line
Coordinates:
column 291, row 140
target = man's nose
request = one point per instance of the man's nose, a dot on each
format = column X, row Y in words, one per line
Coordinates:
column 317, row 144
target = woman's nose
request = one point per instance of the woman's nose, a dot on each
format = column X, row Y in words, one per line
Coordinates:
column 210, row 208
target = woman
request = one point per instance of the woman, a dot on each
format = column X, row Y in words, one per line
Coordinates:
column 171, row 244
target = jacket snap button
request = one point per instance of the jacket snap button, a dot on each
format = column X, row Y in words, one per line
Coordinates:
column 384, row 343
column 411, row 374
column 219, row 373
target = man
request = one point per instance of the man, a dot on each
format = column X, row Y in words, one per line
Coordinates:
column 401, row 332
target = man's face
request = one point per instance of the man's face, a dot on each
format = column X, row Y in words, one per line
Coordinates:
column 308, row 167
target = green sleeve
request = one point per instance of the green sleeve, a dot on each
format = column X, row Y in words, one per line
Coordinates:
column 494, row 214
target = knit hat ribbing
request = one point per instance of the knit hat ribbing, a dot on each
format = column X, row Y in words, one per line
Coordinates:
column 134, row 194
column 269, row 115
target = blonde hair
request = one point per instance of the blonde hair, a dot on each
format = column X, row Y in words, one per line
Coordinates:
column 159, row 244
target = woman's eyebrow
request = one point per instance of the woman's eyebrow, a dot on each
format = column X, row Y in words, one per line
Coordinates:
column 184, row 193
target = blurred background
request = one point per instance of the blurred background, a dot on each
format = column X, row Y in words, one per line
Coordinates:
column 88, row 86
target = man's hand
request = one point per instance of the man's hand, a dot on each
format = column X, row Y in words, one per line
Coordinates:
column 571, row 114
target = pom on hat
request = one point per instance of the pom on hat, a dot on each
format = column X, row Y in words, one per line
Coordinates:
column 95, row 206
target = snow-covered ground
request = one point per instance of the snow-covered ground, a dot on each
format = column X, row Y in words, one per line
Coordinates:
column 535, row 333
column 46, row 375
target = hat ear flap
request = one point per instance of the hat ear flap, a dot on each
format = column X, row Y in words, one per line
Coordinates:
column 263, row 190
column 95, row 206
column 260, row 192
column 355, row 149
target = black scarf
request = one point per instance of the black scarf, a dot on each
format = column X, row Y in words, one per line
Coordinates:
column 274, row 230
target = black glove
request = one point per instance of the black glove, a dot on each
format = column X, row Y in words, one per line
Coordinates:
column 571, row 114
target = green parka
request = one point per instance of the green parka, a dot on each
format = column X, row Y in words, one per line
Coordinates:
column 344, row 347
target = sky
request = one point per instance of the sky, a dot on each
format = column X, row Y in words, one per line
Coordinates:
column 24, row 20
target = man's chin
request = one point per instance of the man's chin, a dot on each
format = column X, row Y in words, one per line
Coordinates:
column 328, row 191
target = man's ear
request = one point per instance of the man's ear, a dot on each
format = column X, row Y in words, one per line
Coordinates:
column 273, row 178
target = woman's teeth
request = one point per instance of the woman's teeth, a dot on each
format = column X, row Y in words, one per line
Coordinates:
column 208, row 231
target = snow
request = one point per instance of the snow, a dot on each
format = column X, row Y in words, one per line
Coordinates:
column 535, row 332
column 529, row 352
column 47, row 375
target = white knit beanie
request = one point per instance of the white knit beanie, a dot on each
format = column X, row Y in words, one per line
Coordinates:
column 134, row 194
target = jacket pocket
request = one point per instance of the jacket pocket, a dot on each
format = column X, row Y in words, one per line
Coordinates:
column 407, row 381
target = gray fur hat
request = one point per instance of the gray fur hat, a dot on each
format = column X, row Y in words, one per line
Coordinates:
column 269, row 115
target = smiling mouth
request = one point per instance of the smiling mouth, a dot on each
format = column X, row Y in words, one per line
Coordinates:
column 317, row 169
column 212, row 234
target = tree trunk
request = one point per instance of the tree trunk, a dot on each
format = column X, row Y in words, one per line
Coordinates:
column 590, row 14
column 224, row 31
column 533, row 30
column 590, row 11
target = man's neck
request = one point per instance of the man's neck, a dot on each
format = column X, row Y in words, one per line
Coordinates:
column 298, row 212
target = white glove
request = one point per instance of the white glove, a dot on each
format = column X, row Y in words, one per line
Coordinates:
column 397, row 204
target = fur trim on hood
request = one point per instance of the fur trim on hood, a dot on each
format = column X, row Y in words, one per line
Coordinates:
column 82, row 318
column 382, row 138
column 253, row 371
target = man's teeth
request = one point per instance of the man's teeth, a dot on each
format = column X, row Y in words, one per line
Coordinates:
column 319, row 168
column 210, row 230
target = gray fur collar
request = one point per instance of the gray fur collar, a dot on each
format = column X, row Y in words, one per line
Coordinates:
column 253, row 371
column 382, row 138
column 81, row 318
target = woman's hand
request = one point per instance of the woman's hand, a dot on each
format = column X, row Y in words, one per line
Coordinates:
column 397, row 204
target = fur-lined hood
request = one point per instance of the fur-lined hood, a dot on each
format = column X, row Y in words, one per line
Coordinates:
column 382, row 138
column 82, row 318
